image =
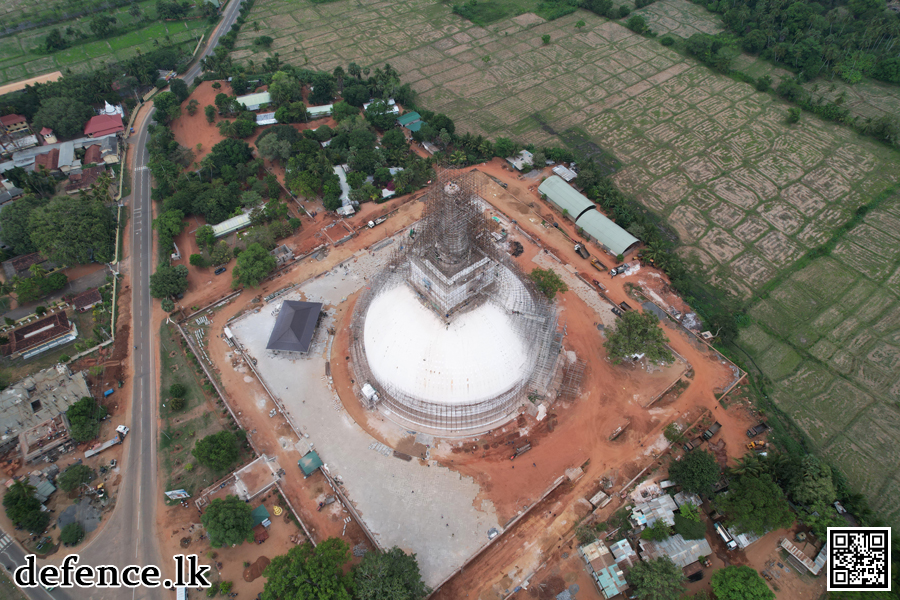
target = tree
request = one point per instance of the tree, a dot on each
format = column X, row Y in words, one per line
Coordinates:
column 504, row 147
column 548, row 282
column 793, row 115
column 379, row 114
column 538, row 160
column 74, row 476
column 71, row 534
column 740, row 583
column 756, row 504
column 178, row 87
column 310, row 573
column 19, row 501
column 210, row 112
column 391, row 575
column 168, row 281
column 205, row 234
column 815, row 484
column 323, row 88
column 263, row 41
column 84, row 417
column 102, row 25
column 657, row 579
column 271, row 148
column 545, row 38
column 284, row 89
column 230, row 153
column 177, row 390
column 580, row 24
column 696, row 472
column 343, row 110
column 637, row 333
column 689, row 529
column 76, row 230
column 167, row 304
column 217, row 451
column 197, row 260
column 14, row 221
column 55, row 41
column 65, row 116
column 253, row 265
column 637, row 24
column 356, row 95
column 658, row 532
column 168, row 107
column 228, row 521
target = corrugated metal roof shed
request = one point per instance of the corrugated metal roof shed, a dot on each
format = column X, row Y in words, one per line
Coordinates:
column 605, row 232
column 267, row 118
column 309, row 463
column 231, row 225
column 682, row 552
column 565, row 172
column 564, row 197
column 408, row 118
column 314, row 112
column 254, row 101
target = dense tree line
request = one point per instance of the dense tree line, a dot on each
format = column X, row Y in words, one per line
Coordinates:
column 851, row 39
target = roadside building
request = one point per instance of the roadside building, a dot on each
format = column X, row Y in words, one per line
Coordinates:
column 564, row 172
column 102, row 125
column 663, row 508
column 92, row 155
column 20, row 266
column 40, row 336
column 38, row 401
column 310, row 463
column 316, row 112
column 624, row 554
column 411, row 121
column 87, row 300
column 85, row 179
column 566, row 199
column 282, row 255
column 47, row 162
column 48, row 136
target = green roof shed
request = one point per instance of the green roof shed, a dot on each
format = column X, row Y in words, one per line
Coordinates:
column 410, row 117
column 605, row 232
column 260, row 516
column 309, row 463
column 564, row 197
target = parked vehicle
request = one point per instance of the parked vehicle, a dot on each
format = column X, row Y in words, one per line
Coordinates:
column 328, row 500
column 617, row 270
column 755, row 431
column 220, row 270
column 625, row 306
column 726, row 537
column 582, row 251
column 616, row 311
column 107, row 392
column 693, row 443
column 756, row 445
column 713, row 430
column 598, row 284
column 377, row 221
column 597, row 264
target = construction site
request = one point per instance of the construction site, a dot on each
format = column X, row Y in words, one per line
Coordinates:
column 480, row 458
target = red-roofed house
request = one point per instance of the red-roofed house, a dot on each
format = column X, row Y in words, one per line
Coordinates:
column 47, row 160
column 87, row 300
column 13, row 123
column 85, row 179
column 103, row 125
column 92, row 155
column 48, row 135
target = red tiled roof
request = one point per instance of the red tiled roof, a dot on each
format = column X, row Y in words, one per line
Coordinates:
column 86, row 179
column 87, row 299
column 48, row 160
column 46, row 131
column 92, row 154
column 11, row 120
column 22, row 263
column 104, row 125
column 37, row 333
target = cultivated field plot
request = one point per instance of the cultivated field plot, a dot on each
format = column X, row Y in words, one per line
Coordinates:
column 21, row 57
column 681, row 18
column 747, row 193
column 829, row 336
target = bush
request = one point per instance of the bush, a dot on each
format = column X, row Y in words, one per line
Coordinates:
column 65, row 358
column 40, row 311
column 197, row 260
column 71, row 534
column 658, row 532
column 667, row 40
column 793, row 115
column 168, row 305
column 689, row 530
column 177, row 390
column 177, row 404
column 74, row 476
column 764, row 83
column 637, row 24
column 545, row 38
column 624, row 11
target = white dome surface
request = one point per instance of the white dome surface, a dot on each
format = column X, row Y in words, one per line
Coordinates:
column 477, row 357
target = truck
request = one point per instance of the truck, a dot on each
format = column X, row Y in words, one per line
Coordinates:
column 520, row 450
column 617, row 270
column 377, row 221
column 597, row 264
column 726, row 537
column 121, row 432
column 713, row 430
column 694, row 443
column 755, row 431
column 582, row 251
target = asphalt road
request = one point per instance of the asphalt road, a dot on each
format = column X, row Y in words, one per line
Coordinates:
column 130, row 537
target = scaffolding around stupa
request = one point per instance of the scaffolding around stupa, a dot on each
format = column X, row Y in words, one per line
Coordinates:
column 454, row 265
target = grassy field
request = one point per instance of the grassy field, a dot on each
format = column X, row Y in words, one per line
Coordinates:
column 748, row 194
column 22, row 55
column 182, row 429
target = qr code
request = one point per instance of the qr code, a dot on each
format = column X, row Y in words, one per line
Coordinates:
column 859, row 559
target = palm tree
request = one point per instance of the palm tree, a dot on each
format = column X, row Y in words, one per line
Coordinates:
column 458, row 157
column 749, row 464
column 37, row 271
